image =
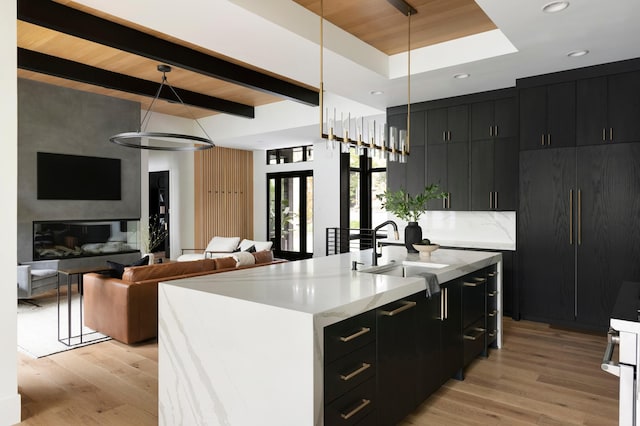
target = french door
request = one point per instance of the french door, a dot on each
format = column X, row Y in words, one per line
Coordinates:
column 290, row 214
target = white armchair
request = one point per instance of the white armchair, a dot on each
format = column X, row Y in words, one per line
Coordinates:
column 37, row 277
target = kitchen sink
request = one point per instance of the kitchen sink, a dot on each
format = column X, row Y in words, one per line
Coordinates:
column 392, row 269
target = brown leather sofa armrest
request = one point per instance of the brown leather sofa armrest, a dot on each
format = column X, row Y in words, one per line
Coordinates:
column 125, row 311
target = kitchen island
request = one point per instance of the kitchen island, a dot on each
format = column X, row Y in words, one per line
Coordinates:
column 247, row 347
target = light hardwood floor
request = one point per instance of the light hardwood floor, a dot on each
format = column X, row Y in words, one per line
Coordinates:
column 542, row 376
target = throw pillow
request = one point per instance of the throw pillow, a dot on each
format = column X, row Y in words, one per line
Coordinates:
column 117, row 269
column 251, row 249
column 223, row 244
column 259, row 245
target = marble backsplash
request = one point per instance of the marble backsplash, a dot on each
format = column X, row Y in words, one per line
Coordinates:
column 487, row 229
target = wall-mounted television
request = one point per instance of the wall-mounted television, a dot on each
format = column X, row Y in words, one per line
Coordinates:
column 77, row 177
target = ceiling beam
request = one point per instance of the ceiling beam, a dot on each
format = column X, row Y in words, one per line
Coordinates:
column 52, row 65
column 55, row 16
column 405, row 8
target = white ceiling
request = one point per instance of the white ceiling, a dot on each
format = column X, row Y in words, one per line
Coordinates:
column 283, row 37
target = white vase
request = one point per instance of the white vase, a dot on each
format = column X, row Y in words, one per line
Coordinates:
column 152, row 258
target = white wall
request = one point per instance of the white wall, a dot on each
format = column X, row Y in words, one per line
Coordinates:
column 326, row 192
column 9, row 398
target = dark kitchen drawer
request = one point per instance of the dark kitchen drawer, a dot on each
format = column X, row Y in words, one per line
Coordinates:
column 475, row 337
column 349, row 371
column 492, row 327
column 348, row 335
column 353, row 406
column 473, row 299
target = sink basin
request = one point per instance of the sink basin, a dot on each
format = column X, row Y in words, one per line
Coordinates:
column 421, row 264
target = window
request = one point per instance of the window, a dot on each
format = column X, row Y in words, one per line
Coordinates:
column 290, row 211
column 290, row 155
column 367, row 178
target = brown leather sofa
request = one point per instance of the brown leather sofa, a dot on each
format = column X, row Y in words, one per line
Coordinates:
column 127, row 309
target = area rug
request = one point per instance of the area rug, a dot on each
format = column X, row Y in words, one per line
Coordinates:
column 38, row 326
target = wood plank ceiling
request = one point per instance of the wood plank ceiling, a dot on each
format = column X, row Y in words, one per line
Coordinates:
column 374, row 21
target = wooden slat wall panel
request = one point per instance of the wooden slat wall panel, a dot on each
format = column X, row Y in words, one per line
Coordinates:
column 223, row 194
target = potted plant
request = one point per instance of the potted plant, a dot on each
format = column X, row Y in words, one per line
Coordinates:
column 153, row 237
column 410, row 208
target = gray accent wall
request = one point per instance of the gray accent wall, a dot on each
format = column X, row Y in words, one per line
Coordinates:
column 66, row 121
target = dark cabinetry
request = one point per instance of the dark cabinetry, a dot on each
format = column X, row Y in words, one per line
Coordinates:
column 396, row 171
column 397, row 325
column 449, row 124
column 451, row 330
column 350, row 370
column 578, row 232
column 494, row 155
column 545, row 236
column 608, row 108
column 548, row 116
column 448, row 166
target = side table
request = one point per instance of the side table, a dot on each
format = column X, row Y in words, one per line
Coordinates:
column 70, row 273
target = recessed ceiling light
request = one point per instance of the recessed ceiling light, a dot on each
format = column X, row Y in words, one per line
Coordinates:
column 555, row 6
column 462, row 75
column 376, row 92
column 577, row 53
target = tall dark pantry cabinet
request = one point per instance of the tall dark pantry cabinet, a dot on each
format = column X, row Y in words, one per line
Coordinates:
column 578, row 223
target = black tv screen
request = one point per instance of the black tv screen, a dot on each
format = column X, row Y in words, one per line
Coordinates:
column 77, row 177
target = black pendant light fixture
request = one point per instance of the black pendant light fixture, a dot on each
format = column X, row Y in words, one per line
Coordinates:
column 162, row 141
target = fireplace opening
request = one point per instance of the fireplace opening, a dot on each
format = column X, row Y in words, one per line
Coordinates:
column 83, row 238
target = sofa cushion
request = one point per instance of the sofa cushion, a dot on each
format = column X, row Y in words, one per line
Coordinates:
column 264, row 256
column 41, row 274
column 259, row 245
column 223, row 244
column 164, row 270
column 225, row 262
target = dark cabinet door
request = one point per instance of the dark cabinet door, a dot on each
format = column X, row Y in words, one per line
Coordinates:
column 436, row 171
column 437, row 126
column 457, row 176
column 608, row 241
column 449, row 124
column 505, row 118
column 397, row 356
column 546, row 241
column 451, row 331
column 624, row 107
column 428, row 346
column 561, row 115
column 482, row 171
column 592, row 126
column 548, row 116
column 418, row 134
column 482, row 120
column 458, row 123
column 505, row 174
column 494, row 119
column 415, row 170
column 533, row 117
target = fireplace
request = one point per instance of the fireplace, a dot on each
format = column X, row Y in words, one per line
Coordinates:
column 83, row 238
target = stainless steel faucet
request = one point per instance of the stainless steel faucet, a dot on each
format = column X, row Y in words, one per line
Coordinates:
column 374, row 259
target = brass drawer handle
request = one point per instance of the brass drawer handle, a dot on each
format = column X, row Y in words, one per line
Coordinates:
column 480, row 332
column 492, row 293
column 493, row 313
column 492, row 334
column 354, row 373
column 356, row 410
column 477, row 282
column 404, row 307
column 363, row 330
column 492, row 274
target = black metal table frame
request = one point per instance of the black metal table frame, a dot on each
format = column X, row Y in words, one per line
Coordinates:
column 69, row 274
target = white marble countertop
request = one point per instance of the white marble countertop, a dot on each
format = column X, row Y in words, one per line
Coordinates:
column 327, row 287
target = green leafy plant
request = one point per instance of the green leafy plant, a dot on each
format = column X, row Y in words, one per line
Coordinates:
column 406, row 207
